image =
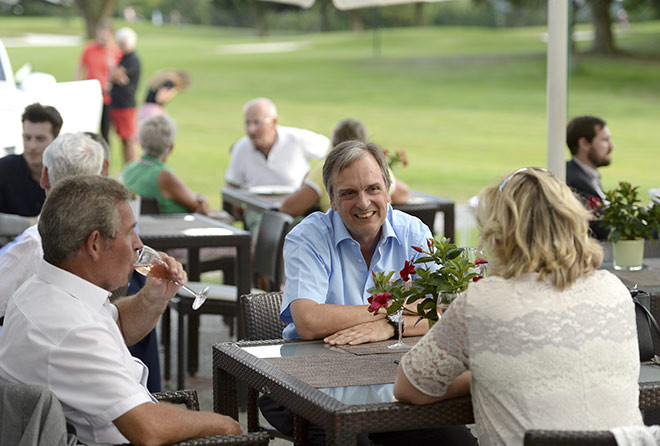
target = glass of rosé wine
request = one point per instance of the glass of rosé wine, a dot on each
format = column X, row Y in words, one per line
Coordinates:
column 149, row 261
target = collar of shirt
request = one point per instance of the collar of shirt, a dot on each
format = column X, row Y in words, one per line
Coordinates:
column 594, row 177
column 79, row 288
column 590, row 171
column 340, row 233
column 277, row 139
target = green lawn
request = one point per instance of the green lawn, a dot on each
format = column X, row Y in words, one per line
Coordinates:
column 466, row 104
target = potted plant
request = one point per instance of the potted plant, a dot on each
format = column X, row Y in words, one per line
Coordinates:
column 629, row 224
column 447, row 274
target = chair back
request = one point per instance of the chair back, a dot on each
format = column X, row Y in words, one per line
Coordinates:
column 149, row 205
column 568, row 438
column 261, row 316
column 268, row 250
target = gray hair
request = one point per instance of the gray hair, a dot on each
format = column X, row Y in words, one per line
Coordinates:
column 271, row 110
column 75, row 208
column 72, row 154
column 348, row 152
column 157, row 135
column 126, row 36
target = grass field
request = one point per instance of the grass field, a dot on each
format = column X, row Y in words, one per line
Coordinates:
column 466, row 104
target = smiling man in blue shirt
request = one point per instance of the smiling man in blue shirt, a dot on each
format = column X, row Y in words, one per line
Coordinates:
column 329, row 259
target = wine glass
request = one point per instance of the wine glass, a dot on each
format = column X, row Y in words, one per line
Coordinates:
column 400, row 344
column 149, row 261
column 474, row 254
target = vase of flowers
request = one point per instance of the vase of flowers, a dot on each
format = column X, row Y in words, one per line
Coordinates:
column 443, row 273
column 629, row 224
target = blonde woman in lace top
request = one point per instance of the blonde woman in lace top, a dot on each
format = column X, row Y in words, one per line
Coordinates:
column 547, row 341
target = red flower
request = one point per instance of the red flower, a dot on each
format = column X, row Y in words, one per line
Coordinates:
column 378, row 300
column 408, row 268
column 594, row 202
column 429, row 243
column 417, row 248
column 477, row 278
column 480, row 262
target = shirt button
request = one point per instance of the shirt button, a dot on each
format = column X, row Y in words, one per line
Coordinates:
column 360, row 260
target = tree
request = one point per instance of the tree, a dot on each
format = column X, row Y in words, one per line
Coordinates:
column 94, row 11
column 602, row 21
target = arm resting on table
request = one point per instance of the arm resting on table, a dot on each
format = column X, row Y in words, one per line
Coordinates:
column 174, row 189
column 316, row 321
column 300, row 201
column 405, row 392
column 156, row 424
column 401, row 193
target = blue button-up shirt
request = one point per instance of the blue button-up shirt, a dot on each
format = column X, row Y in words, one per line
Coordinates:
column 324, row 263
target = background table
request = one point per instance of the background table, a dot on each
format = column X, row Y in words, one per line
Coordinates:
column 421, row 205
column 193, row 232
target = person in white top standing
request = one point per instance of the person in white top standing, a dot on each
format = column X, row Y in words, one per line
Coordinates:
column 77, row 340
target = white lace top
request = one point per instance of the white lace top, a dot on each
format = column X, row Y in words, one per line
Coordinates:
column 540, row 358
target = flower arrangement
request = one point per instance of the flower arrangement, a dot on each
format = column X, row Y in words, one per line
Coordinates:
column 624, row 216
column 395, row 158
column 447, row 272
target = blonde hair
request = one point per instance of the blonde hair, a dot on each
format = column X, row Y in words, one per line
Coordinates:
column 532, row 222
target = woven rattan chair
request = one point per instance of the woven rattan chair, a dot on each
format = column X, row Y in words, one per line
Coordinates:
column 189, row 399
column 261, row 316
column 568, row 438
column 222, row 298
column 261, row 319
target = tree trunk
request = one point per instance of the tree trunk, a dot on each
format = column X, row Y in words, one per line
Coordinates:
column 94, row 12
column 356, row 21
column 261, row 20
column 419, row 14
column 325, row 18
column 600, row 16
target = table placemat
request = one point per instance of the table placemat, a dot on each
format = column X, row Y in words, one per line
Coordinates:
column 340, row 370
column 374, row 348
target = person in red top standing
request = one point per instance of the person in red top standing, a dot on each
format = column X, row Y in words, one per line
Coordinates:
column 96, row 60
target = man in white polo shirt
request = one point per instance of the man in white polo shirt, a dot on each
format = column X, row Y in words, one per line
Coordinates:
column 272, row 154
column 62, row 332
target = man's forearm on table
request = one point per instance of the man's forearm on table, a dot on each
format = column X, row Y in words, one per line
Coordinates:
column 316, row 321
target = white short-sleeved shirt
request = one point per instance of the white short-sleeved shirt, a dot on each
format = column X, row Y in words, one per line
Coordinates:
column 540, row 358
column 287, row 162
column 60, row 332
column 18, row 263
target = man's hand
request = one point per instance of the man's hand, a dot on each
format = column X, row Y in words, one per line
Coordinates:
column 158, row 290
column 378, row 330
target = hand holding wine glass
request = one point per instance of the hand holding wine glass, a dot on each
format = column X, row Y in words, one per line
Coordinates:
column 150, row 262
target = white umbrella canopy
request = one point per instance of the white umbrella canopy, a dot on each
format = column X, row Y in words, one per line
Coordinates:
column 556, row 82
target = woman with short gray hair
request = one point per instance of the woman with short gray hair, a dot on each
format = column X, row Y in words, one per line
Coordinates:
column 150, row 177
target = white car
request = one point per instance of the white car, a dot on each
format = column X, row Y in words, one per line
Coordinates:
column 80, row 103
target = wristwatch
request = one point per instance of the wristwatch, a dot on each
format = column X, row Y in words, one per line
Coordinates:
column 393, row 319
